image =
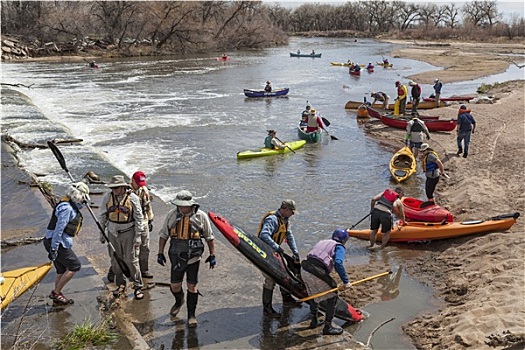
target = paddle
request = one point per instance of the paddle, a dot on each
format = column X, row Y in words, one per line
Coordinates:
column 62, row 161
column 327, row 123
column 310, row 297
column 357, row 223
column 284, row 144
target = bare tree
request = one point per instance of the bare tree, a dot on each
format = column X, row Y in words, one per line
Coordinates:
column 451, row 15
column 479, row 13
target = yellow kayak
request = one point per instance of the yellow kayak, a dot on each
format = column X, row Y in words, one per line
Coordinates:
column 402, row 164
column 16, row 282
column 262, row 152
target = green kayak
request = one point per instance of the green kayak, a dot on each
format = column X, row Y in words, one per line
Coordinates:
column 262, row 152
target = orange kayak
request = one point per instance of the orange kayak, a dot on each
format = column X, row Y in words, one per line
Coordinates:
column 428, row 231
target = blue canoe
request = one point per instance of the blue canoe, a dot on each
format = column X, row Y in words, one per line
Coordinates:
column 305, row 55
column 262, row 93
column 309, row 136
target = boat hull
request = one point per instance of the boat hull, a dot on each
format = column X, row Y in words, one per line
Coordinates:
column 18, row 281
column 263, row 152
column 428, row 231
column 432, row 125
column 430, row 213
column 375, row 114
column 388, row 65
column 262, row 93
column 422, row 105
column 402, row 165
column 355, row 73
column 311, row 137
column 450, row 99
column 317, row 55
column 272, row 264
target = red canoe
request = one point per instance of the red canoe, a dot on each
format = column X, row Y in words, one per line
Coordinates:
column 354, row 73
column 416, row 211
column 449, row 99
column 432, row 125
column 375, row 114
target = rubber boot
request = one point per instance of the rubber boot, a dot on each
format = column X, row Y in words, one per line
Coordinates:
column 267, row 304
column 313, row 312
column 192, row 305
column 179, row 301
column 330, row 312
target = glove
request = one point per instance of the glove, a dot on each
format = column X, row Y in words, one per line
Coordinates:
column 280, row 250
column 52, row 255
column 296, row 259
column 150, row 225
column 347, row 285
column 161, row 259
column 211, row 259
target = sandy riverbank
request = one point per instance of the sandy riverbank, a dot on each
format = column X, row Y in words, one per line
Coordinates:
column 480, row 279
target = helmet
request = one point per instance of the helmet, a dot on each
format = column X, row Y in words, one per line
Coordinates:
column 340, row 235
column 436, row 80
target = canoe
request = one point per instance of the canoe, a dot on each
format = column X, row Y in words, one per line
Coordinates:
column 262, row 93
column 402, row 164
column 428, row 231
column 223, row 58
column 354, row 73
column 262, row 152
column 343, row 64
column 375, row 114
column 305, row 55
column 389, row 65
column 432, row 125
column 280, row 268
column 309, row 136
column 422, row 105
column 418, row 210
column 16, row 282
column 370, row 70
column 450, row 99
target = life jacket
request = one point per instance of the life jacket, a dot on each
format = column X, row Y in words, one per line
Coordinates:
column 120, row 212
column 186, row 228
column 73, row 226
column 416, row 126
column 324, row 252
column 431, row 166
column 437, row 87
column 145, row 202
column 416, row 91
column 278, row 236
column 312, row 122
column 268, row 142
column 388, row 198
column 401, row 91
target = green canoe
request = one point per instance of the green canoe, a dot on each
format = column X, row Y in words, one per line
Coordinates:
column 262, row 152
column 311, row 137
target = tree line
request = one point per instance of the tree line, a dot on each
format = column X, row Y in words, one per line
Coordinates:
column 160, row 27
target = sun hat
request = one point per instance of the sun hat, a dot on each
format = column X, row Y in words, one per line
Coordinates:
column 83, row 188
column 340, row 235
column 436, row 80
column 424, row 146
column 289, row 204
column 184, row 198
column 140, row 178
column 268, row 82
column 411, row 83
column 313, row 111
column 117, row 181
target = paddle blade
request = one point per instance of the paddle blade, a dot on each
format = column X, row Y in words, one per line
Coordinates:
column 58, row 155
column 326, row 121
column 333, row 137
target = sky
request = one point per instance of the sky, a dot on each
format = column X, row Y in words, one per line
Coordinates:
column 507, row 8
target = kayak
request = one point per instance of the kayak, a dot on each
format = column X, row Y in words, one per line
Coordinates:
column 262, row 93
column 428, row 231
column 418, row 210
column 262, row 152
column 16, row 282
column 344, row 64
column 377, row 105
column 387, row 65
column 402, row 164
column 279, row 267
column 309, row 136
column 432, row 125
column 355, row 73
column 375, row 114
column 226, row 58
column 305, row 55
column 450, row 99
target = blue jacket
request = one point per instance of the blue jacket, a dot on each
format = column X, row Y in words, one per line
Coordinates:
column 465, row 121
column 64, row 213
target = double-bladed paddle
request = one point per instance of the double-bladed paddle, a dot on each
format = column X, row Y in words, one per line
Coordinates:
column 121, row 263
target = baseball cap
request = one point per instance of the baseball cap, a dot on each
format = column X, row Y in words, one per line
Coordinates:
column 140, row 178
column 289, row 204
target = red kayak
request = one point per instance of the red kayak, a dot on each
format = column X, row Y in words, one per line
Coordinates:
column 418, row 210
column 375, row 114
column 432, row 125
column 449, row 99
column 355, row 73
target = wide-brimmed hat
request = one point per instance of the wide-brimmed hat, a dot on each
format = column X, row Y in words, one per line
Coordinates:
column 184, row 199
column 82, row 188
column 289, row 204
column 117, row 181
column 313, row 111
column 424, row 146
column 140, row 178
column 411, row 83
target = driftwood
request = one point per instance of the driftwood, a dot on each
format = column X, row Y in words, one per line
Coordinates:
column 17, row 85
column 20, row 241
column 518, row 65
column 38, row 145
column 375, row 330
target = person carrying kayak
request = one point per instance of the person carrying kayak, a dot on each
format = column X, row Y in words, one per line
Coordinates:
column 382, row 207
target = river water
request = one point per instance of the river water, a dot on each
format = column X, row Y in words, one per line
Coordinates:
column 183, row 119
